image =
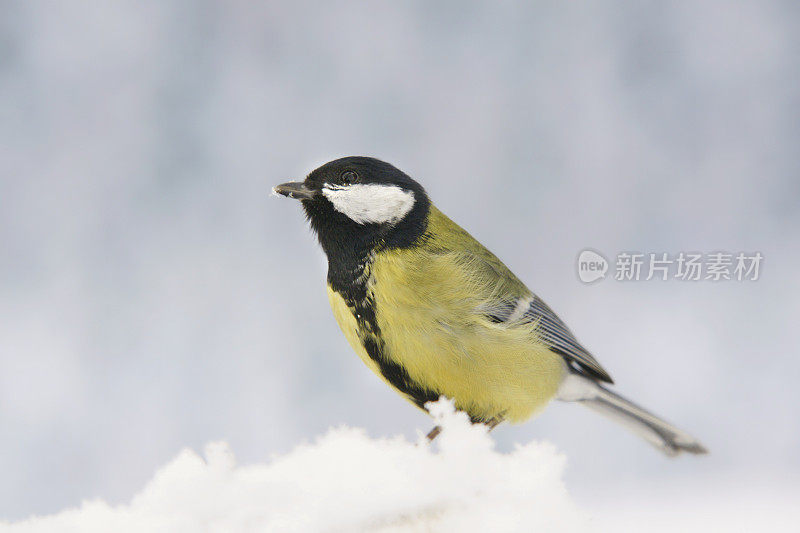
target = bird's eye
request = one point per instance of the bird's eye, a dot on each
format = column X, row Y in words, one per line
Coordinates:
column 349, row 177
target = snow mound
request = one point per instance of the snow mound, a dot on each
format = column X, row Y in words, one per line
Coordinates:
column 346, row 481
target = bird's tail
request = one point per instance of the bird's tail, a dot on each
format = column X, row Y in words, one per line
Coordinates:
column 664, row 436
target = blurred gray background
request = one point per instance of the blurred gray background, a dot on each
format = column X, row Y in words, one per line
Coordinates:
column 154, row 296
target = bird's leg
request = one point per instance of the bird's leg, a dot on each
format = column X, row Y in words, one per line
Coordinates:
column 432, row 434
column 493, row 423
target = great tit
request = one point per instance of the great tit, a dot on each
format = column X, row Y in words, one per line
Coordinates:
column 434, row 313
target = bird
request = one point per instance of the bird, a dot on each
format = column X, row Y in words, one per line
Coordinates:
column 434, row 313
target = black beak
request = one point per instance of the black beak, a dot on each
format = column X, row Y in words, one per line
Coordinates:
column 295, row 189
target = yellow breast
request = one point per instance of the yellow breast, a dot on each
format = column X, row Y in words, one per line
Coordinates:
column 349, row 326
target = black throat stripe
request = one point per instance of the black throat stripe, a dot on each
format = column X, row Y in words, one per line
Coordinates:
column 362, row 304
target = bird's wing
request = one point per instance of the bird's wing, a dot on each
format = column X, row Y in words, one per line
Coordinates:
column 506, row 300
column 551, row 330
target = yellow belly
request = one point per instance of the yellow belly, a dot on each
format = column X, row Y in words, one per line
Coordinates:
column 491, row 371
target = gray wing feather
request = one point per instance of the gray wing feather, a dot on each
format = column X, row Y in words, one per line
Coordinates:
column 551, row 330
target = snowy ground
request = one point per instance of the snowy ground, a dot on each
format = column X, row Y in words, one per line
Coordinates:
column 346, row 481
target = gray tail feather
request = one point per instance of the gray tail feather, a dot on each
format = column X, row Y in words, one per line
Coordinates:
column 664, row 436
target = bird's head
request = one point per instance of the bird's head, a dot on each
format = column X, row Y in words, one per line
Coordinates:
column 357, row 203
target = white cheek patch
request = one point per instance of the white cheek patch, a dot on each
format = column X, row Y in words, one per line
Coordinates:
column 370, row 203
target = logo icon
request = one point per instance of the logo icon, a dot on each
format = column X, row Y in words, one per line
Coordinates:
column 591, row 266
